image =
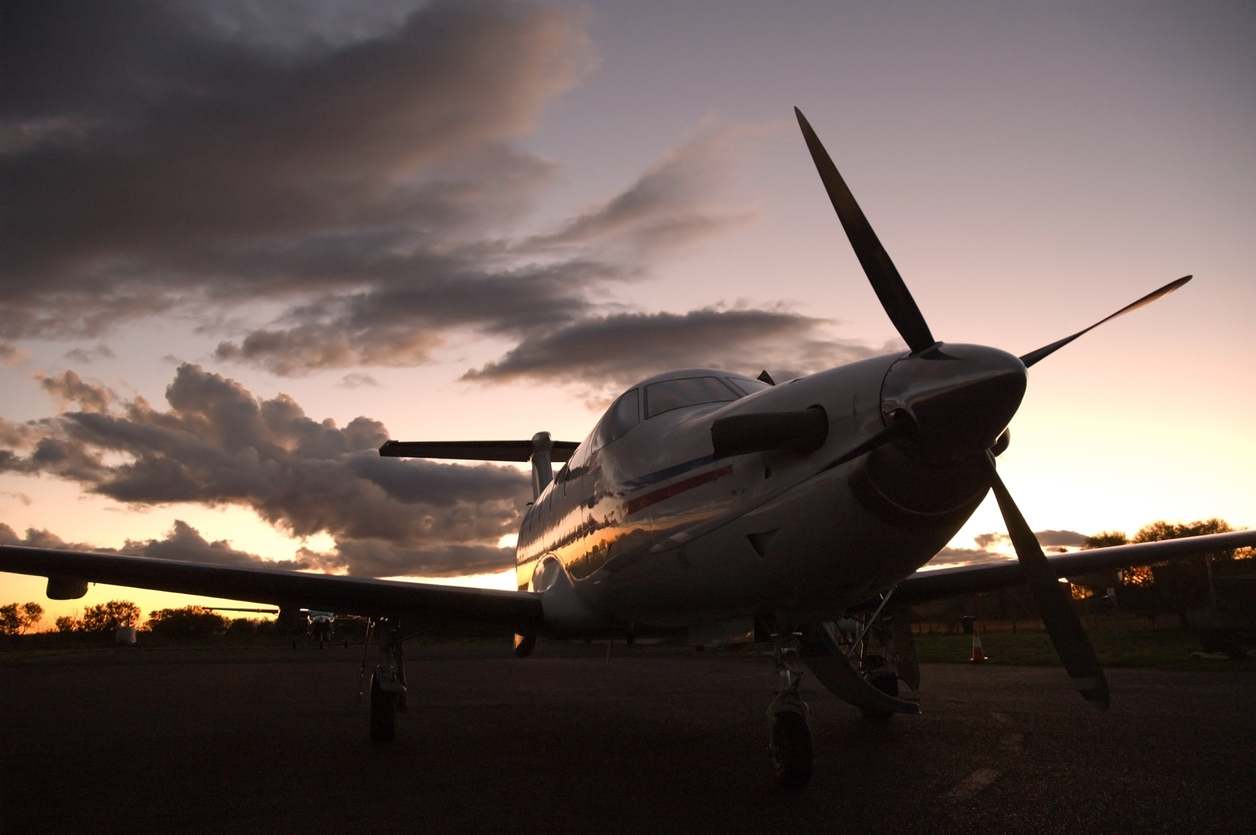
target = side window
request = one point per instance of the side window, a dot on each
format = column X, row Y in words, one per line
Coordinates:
column 623, row 414
column 674, row 394
column 574, row 464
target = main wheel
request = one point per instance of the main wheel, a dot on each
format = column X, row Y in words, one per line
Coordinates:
column 792, row 754
column 383, row 713
column 887, row 682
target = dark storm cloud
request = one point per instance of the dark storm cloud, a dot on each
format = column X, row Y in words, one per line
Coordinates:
column 402, row 322
column 625, row 347
column 146, row 158
column 361, row 170
column 217, row 445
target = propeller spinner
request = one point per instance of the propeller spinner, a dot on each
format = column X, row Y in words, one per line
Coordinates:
column 957, row 400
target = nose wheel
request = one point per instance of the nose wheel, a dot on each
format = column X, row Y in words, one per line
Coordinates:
column 383, row 713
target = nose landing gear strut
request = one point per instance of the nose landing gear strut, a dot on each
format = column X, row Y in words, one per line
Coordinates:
column 789, row 736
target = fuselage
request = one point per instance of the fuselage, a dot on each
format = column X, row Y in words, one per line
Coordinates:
column 650, row 528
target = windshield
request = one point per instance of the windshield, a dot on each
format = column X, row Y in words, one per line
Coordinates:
column 674, row 394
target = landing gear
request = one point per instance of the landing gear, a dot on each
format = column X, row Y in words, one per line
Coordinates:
column 862, row 659
column 383, row 713
column 791, row 755
column 388, row 681
column 881, row 675
column 789, row 737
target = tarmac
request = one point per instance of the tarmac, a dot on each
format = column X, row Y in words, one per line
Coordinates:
column 658, row 740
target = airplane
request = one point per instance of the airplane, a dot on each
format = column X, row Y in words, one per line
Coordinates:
column 319, row 626
column 729, row 506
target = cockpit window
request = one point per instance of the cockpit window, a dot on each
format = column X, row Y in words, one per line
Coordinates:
column 747, row 385
column 674, row 394
column 623, row 414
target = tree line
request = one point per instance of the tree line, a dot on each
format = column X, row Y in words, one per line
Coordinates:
column 186, row 623
column 1181, row 587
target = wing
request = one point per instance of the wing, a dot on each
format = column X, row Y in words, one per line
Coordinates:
column 517, row 611
column 942, row 583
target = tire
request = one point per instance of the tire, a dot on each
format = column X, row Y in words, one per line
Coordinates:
column 383, row 713
column 793, row 756
column 887, row 683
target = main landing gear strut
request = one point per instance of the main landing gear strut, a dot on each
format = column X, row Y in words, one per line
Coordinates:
column 388, row 681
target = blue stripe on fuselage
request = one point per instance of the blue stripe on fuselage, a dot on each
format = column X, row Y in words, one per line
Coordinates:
column 670, row 472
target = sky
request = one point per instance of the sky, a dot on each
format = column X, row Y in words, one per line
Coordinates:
column 244, row 243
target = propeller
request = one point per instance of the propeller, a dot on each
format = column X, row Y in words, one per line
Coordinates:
column 956, row 400
column 1054, row 605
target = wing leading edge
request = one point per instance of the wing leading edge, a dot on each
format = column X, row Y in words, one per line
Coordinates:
column 942, row 583
column 516, row 611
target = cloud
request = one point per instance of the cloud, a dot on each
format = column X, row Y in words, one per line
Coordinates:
column 361, row 171
column 672, row 204
column 218, row 445
column 183, row 543
column 40, row 539
column 1070, row 539
column 949, row 557
column 84, row 355
column 625, row 347
column 152, row 155
column 11, row 355
column 358, row 380
column 522, row 289
column 997, row 547
column 68, row 387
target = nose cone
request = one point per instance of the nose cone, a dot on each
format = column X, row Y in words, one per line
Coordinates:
column 959, row 396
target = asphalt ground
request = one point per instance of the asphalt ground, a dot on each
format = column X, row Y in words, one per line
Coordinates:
column 272, row 740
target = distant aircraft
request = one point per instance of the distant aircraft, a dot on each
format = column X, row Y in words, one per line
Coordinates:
column 320, row 627
column 734, row 508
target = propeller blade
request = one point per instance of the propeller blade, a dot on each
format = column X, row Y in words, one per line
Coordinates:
column 1063, row 626
column 1046, row 351
column 885, row 280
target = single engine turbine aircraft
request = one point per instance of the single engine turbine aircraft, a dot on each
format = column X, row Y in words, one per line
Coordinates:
column 729, row 506
column 318, row 627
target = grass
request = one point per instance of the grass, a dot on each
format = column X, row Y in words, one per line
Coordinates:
column 1162, row 648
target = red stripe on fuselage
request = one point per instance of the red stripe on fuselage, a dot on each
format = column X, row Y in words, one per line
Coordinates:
column 656, row 496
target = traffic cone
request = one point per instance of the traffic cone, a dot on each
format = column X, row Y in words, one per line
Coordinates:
column 978, row 654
